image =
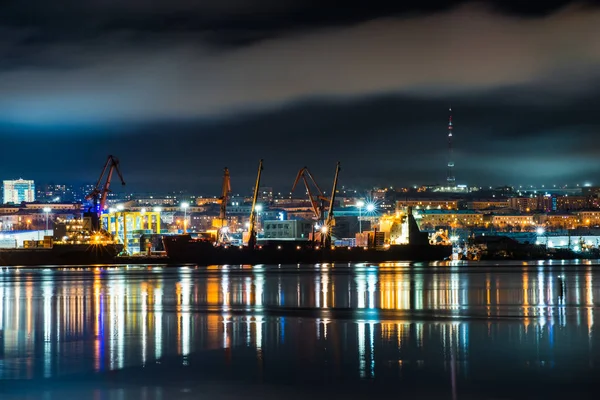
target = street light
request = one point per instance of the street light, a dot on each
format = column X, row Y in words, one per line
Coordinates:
column 370, row 207
column 46, row 211
column 360, row 204
column 185, row 206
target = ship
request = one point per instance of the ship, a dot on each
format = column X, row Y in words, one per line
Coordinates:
column 74, row 242
column 185, row 249
column 61, row 254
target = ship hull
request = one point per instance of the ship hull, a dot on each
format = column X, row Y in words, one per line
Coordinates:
column 182, row 249
column 82, row 254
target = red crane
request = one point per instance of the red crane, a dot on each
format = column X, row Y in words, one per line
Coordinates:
column 316, row 200
column 100, row 191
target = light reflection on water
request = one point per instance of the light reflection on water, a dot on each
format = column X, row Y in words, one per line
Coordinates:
column 359, row 322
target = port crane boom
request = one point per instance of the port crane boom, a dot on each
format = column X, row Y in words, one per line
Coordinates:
column 307, row 178
column 252, row 224
column 225, row 191
column 100, row 191
column 330, row 222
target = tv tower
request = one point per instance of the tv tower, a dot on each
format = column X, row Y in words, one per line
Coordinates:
column 450, row 179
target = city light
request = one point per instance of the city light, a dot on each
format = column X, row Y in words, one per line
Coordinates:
column 371, row 207
column 258, row 208
column 120, row 207
column 185, row 205
column 46, row 211
column 157, row 209
column 540, row 231
column 360, row 204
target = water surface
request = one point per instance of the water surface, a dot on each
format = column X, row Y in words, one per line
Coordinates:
column 490, row 331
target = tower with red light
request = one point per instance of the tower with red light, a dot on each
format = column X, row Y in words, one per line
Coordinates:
column 450, row 179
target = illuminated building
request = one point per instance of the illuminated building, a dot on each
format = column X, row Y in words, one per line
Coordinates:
column 567, row 203
column 589, row 218
column 265, row 193
column 487, row 204
column 55, row 193
column 19, row 191
column 559, row 220
column 429, row 219
column 424, row 203
column 512, row 221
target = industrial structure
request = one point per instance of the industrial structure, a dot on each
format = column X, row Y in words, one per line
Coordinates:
column 451, row 180
column 100, row 192
column 252, row 223
column 318, row 199
column 327, row 228
column 127, row 227
column 221, row 223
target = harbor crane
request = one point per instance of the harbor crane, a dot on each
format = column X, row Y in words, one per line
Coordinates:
column 318, row 200
column 225, row 192
column 330, row 221
column 100, row 191
column 252, row 224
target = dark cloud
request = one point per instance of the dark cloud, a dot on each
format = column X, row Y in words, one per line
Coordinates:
column 382, row 140
column 468, row 49
column 180, row 89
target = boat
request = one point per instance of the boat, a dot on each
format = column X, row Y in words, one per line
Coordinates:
column 187, row 250
column 73, row 243
column 61, row 254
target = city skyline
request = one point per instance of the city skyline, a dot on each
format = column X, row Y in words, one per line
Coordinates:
column 178, row 91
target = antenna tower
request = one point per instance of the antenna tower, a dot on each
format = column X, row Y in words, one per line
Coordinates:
column 450, row 178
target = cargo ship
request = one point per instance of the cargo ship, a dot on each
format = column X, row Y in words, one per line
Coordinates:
column 74, row 243
column 61, row 254
column 409, row 245
column 202, row 251
column 185, row 249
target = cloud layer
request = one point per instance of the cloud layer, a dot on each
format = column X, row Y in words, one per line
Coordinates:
column 126, row 75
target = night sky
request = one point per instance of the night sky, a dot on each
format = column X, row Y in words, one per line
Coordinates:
column 178, row 89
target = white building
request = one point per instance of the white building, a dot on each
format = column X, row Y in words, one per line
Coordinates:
column 19, row 191
column 276, row 229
